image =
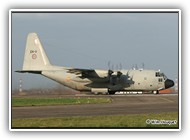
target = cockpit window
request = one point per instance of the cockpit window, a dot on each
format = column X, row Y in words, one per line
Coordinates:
column 159, row 74
column 165, row 77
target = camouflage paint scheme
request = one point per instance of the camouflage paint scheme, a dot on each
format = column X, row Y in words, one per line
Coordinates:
column 93, row 80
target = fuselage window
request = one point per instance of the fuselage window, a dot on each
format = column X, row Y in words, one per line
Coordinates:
column 158, row 74
column 160, row 80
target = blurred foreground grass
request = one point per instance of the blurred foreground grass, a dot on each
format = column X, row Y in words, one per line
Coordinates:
column 19, row 102
column 120, row 121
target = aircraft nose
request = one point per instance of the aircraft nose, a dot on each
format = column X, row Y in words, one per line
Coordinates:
column 169, row 83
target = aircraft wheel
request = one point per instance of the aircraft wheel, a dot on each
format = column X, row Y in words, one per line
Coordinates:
column 97, row 93
column 111, row 92
column 155, row 92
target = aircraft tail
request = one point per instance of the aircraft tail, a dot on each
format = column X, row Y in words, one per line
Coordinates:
column 35, row 58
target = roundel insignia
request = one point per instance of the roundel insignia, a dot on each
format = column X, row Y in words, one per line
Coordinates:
column 68, row 78
column 34, row 56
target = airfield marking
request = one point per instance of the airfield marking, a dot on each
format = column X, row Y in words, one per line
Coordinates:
column 168, row 100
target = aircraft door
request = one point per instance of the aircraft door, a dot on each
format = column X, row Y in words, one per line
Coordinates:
column 160, row 83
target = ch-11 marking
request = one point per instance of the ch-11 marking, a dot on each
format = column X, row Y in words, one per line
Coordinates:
column 33, row 51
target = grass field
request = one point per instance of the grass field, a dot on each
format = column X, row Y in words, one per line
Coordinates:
column 19, row 102
column 121, row 121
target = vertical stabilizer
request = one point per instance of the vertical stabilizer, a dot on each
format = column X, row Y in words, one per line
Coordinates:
column 35, row 57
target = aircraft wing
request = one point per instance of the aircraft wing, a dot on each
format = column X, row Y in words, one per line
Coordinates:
column 87, row 73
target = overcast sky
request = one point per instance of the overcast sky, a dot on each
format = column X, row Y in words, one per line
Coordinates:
column 91, row 40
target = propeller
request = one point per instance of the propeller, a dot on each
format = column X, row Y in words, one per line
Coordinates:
column 119, row 74
column 109, row 62
column 129, row 78
column 110, row 72
column 114, row 77
column 120, row 66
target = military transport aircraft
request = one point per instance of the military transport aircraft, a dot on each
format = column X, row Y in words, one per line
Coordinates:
column 93, row 80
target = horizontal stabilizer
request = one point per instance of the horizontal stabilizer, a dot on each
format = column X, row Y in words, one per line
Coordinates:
column 29, row 71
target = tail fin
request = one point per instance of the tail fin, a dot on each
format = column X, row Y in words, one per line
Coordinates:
column 35, row 57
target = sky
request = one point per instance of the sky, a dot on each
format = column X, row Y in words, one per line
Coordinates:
column 91, row 40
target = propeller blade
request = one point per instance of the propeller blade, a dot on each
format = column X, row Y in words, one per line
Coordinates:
column 110, row 72
column 119, row 73
column 109, row 62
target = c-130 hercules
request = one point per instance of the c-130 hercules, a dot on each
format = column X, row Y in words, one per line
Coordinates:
column 93, row 80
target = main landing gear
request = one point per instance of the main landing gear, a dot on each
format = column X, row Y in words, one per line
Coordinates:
column 155, row 92
column 111, row 92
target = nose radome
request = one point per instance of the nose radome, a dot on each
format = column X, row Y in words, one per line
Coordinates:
column 169, row 83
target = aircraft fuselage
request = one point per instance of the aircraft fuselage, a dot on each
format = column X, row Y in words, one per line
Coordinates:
column 96, row 81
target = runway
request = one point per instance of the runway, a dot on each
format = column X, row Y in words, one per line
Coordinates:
column 121, row 105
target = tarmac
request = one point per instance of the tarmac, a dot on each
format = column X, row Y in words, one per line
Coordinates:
column 121, row 105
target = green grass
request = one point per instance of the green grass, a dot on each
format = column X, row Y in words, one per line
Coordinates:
column 126, row 121
column 19, row 102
